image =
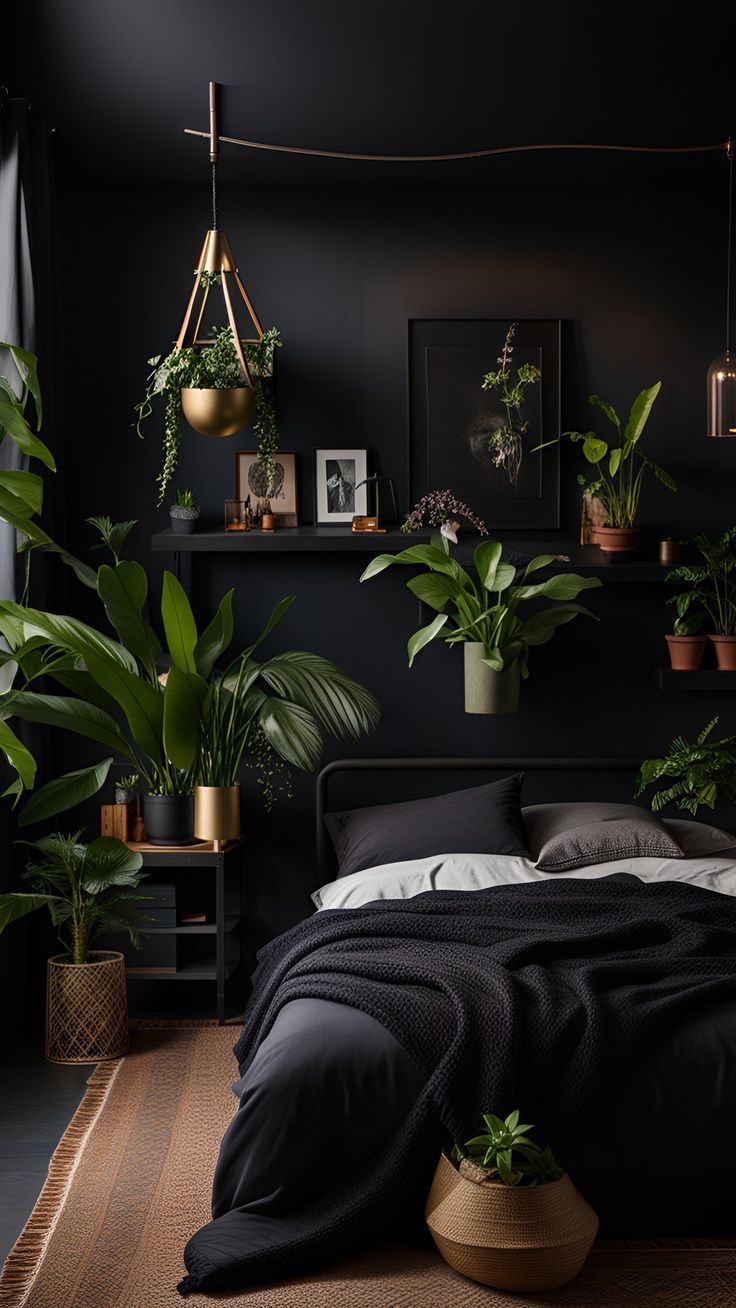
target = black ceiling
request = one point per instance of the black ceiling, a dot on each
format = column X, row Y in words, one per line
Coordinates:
column 120, row 79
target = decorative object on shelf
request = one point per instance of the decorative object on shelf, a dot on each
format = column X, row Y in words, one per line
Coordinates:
column 87, row 890
column 697, row 773
column 184, row 513
column 340, row 490
column 268, row 521
column 217, row 813
column 277, row 495
column 712, row 588
column 442, row 509
column 503, row 1212
column 169, row 819
column 238, row 515
column 592, row 516
column 117, row 820
column 486, row 614
column 372, row 521
column 456, row 428
column 619, row 472
column 721, row 380
column 669, row 550
column 125, row 788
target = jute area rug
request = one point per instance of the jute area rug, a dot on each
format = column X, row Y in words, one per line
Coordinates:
column 130, row 1182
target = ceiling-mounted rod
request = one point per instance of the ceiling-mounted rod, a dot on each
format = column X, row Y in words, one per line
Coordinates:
column 442, row 158
column 214, row 138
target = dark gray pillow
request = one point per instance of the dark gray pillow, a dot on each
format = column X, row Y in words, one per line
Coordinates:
column 484, row 820
column 566, row 836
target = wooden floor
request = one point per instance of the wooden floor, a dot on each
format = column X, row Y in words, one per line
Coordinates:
column 37, row 1100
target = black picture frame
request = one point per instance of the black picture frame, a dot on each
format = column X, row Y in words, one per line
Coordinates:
column 450, row 419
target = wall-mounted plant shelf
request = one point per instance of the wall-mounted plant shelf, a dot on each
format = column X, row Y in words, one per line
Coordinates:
column 587, row 559
column 706, row 679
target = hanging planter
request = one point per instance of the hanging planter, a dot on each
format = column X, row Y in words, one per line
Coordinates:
column 218, row 412
column 488, row 691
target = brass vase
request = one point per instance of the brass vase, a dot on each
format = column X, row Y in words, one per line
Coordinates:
column 215, row 411
column 217, row 813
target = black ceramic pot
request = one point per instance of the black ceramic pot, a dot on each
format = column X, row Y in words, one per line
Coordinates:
column 169, row 819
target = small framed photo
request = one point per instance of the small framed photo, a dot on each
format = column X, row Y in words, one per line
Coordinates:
column 250, row 480
column 337, row 473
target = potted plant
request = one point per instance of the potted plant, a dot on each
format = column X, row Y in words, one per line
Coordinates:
column 503, row 1212
column 695, row 772
column 207, row 383
column 686, row 647
column 184, row 513
column 712, row 585
column 506, row 444
column 487, row 615
column 169, row 719
column 619, row 471
column 125, row 788
column 87, row 890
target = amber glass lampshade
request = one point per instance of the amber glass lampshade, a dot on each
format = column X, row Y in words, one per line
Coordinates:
column 722, row 395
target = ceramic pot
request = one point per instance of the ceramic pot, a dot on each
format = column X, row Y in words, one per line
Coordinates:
column 512, row 1237
column 618, row 540
column 124, row 796
column 183, row 519
column 217, row 813
column 86, row 1008
column 487, row 691
column 686, row 652
column 169, row 819
column 215, row 411
column 725, row 652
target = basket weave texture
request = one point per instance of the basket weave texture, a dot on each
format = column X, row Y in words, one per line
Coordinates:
column 510, row 1237
column 86, row 1008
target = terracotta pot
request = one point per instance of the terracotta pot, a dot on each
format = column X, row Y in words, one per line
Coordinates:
column 618, row 540
column 487, row 691
column 725, row 652
column 86, row 1008
column 511, row 1237
column 216, row 411
column 686, row 652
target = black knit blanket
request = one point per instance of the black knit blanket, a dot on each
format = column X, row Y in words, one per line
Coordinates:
column 516, row 996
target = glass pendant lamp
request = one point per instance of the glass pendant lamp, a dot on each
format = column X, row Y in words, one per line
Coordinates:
column 721, row 382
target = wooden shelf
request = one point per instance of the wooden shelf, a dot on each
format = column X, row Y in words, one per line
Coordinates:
column 200, row 971
column 586, row 559
column 711, row 679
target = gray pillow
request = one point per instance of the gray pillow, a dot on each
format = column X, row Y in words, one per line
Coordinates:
column 699, row 839
column 566, row 836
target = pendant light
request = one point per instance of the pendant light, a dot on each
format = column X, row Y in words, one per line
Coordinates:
column 722, row 372
column 215, row 411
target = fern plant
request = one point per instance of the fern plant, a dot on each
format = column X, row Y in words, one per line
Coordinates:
column 711, row 584
column 698, row 772
column 505, row 1151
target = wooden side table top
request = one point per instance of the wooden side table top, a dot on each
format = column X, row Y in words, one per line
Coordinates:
column 197, row 847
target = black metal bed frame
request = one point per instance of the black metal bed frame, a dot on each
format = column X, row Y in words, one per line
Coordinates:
column 508, row 764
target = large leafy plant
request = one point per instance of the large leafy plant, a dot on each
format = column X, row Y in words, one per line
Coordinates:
column 711, row 583
column 86, row 888
column 21, row 491
column 508, row 1154
column 491, row 608
column 176, row 728
column 212, row 365
column 619, row 465
column 695, row 772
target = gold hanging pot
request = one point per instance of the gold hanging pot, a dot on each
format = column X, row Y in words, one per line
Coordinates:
column 218, row 412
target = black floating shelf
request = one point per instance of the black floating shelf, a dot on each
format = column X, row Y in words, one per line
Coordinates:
column 706, row 679
column 193, row 928
column 205, row 971
column 586, row 559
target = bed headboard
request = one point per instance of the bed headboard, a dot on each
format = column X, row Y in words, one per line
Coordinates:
column 582, row 766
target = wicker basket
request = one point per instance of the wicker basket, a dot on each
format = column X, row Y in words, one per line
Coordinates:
column 86, row 1008
column 513, row 1238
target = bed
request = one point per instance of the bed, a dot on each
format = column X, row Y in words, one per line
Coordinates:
column 600, row 999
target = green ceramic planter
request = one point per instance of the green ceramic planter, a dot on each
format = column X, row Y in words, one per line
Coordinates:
column 487, row 691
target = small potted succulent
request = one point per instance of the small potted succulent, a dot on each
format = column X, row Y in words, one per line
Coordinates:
column 184, row 513
column 712, row 585
column 125, row 788
column 502, row 1211
column 686, row 646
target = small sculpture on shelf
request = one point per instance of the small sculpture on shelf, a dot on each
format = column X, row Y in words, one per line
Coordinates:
column 238, row 515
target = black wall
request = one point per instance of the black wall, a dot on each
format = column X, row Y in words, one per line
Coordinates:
column 637, row 277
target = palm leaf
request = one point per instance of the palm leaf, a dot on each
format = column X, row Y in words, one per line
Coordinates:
column 292, row 731
column 18, row 905
column 341, row 705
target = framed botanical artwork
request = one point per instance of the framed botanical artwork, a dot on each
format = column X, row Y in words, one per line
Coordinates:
column 338, row 494
column 480, row 441
column 250, row 480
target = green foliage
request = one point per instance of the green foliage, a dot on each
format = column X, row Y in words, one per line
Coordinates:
column 212, row 365
column 711, row 584
column 506, row 443
column 128, row 781
column 21, row 491
column 86, row 888
column 507, row 1152
column 619, row 467
column 184, row 499
column 699, row 772
column 489, row 608
column 113, row 535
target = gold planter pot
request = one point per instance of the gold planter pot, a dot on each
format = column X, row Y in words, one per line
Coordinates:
column 218, row 412
column 217, row 813
column 86, row 1008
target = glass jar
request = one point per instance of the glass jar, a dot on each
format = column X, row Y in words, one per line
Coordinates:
column 238, row 515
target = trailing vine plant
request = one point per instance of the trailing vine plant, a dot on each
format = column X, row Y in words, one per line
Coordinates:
column 213, row 365
column 506, row 442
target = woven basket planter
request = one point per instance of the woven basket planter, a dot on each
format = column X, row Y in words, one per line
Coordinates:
column 510, row 1237
column 86, row 1008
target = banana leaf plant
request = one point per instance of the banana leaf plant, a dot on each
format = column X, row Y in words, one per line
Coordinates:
column 177, row 727
column 490, row 608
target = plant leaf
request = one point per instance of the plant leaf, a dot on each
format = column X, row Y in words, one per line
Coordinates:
column 606, row 408
column 65, row 792
column 19, row 757
column 216, row 637
column 594, row 449
column 12, row 420
column 142, row 704
column 424, row 636
column 18, row 905
column 640, row 410
column 27, row 365
column 179, row 624
column 82, row 571
column 108, row 862
column 341, row 705
column 486, row 558
column 26, row 486
column 71, row 715
column 69, row 634
column 435, row 589
column 123, row 591
column 184, row 696
column 292, row 731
